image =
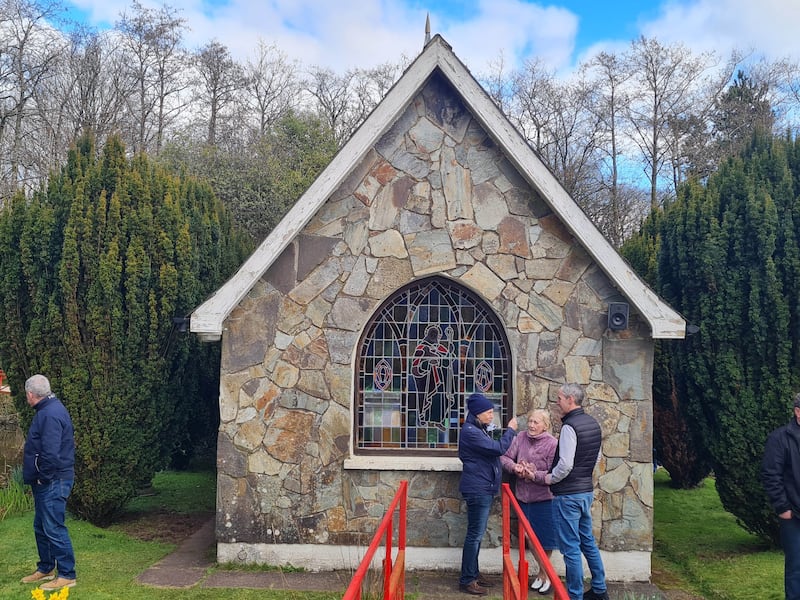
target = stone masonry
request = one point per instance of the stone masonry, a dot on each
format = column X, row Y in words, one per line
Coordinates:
column 433, row 196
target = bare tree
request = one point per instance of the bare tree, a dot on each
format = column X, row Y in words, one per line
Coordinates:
column 331, row 93
column 152, row 40
column 221, row 79
column 88, row 93
column 497, row 83
column 272, row 85
column 533, row 117
column 369, row 86
column 575, row 131
column 780, row 80
column 560, row 123
column 609, row 99
column 667, row 79
column 624, row 217
column 28, row 54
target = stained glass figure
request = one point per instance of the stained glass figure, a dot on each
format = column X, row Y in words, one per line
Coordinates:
column 432, row 366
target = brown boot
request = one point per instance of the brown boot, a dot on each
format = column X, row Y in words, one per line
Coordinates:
column 57, row 584
column 473, row 588
column 38, row 576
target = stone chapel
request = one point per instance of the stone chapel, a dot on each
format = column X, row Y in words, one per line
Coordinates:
column 435, row 256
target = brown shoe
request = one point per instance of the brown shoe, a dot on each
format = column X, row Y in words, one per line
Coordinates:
column 38, row 576
column 473, row 588
column 57, row 584
column 484, row 581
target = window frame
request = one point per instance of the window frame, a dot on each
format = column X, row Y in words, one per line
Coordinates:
column 459, row 299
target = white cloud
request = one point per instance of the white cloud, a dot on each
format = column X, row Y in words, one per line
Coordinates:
column 342, row 34
column 363, row 34
column 768, row 27
column 519, row 29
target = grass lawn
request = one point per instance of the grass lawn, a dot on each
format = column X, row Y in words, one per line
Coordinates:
column 698, row 548
column 109, row 560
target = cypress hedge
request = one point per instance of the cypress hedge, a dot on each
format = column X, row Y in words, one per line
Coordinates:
column 728, row 259
column 95, row 266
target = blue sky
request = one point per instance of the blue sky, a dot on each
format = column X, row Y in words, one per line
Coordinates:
column 363, row 33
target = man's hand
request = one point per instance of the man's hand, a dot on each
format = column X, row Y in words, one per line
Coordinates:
column 785, row 515
column 513, row 423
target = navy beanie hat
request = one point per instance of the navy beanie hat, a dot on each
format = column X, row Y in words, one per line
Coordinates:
column 478, row 403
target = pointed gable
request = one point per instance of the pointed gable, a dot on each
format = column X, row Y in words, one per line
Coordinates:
column 437, row 66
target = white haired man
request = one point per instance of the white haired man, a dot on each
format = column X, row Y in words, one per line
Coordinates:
column 49, row 467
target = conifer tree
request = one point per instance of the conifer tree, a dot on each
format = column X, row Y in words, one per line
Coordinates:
column 728, row 261
column 95, row 267
column 674, row 440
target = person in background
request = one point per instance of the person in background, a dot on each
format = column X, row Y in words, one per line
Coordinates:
column 531, row 452
column 571, row 481
column 780, row 474
column 49, row 468
column 480, row 482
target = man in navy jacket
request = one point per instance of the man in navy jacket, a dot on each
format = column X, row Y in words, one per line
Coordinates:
column 49, row 467
column 780, row 473
column 481, row 475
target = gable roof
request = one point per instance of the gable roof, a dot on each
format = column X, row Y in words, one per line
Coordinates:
column 207, row 319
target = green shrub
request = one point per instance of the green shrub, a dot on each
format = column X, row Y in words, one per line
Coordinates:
column 726, row 252
column 15, row 496
column 102, row 259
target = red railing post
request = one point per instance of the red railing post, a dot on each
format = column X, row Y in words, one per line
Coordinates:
column 523, row 556
column 393, row 574
column 515, row 581
column 387, row 561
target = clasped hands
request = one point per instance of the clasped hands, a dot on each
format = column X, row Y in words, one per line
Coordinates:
column 526, row 470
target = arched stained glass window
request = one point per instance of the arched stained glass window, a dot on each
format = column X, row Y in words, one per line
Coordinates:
column 427, row 348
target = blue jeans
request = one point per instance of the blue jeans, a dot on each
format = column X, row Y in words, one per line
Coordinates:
column 790, row 540
column 478, row 508
column 52, row 537
column 573, row 517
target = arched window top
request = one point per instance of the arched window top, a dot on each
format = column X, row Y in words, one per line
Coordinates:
column 427, row 347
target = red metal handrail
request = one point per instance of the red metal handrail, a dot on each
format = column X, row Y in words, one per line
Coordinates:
column 515, row 582
column 394, row 575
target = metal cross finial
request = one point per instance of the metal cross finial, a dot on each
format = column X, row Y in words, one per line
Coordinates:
column 427, row 29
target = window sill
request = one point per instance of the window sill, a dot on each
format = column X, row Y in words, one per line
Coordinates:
column 404, row 463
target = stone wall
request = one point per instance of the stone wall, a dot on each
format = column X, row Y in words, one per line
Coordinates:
column 434, row 195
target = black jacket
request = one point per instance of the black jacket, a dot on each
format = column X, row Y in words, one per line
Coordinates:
column 589, row 438
column 780, row 469
column 50, row 446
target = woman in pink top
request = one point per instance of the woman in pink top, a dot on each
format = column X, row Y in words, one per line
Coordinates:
column 532, row 451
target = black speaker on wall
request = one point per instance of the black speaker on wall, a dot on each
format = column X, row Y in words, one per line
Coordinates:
column 617, row 315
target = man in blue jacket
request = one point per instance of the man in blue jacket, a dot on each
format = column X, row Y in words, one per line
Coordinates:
column 780, row 473
column 49, row 467
column 481, row 475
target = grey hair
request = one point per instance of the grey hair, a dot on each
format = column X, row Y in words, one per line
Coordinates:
column 38, row 385
column 540, row 412
column 797, row 401
column 574, row 390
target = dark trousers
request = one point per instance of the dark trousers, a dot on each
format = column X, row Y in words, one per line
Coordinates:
column 478, row 508
column 52, row 537
column 790, row 540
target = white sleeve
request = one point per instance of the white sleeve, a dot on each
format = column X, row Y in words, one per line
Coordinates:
column 567, row 444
